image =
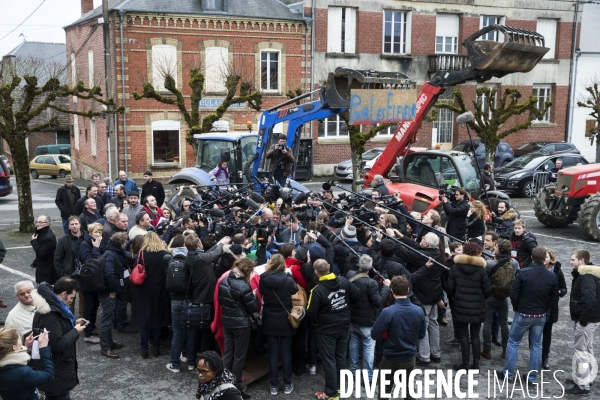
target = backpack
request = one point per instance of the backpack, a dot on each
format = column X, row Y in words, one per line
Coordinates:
column 502, row 280
column 92, row 275
column 177, row 281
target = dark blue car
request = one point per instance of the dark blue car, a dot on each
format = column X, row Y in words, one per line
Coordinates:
column 5, row 186
column 504, row 153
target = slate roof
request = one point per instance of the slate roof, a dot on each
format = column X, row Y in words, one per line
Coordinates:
column 269, row 9
column 55, row 52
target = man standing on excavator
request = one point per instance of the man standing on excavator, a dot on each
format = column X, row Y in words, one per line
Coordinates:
column 281, row 158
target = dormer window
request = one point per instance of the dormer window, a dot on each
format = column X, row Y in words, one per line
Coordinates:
column 214, row 5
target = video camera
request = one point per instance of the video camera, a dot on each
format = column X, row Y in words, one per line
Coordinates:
column 448, row 192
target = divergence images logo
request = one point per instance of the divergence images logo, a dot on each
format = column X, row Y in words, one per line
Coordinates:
column 584, row 368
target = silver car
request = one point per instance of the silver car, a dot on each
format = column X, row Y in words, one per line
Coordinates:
column 344, row 169
column 8, row 164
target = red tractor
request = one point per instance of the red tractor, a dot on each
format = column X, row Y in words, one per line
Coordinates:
column 574, row 196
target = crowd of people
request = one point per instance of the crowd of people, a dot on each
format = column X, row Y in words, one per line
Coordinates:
column 307, row 279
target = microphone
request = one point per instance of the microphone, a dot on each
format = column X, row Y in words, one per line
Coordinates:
column 327, row 185
column 257, row 197
column 215, row 212
column 252, row 204
column 301, row 197
column 465, row 117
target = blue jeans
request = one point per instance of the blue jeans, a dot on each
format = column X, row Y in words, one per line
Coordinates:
column 279, row 344
column 361, row 342
column 65, row 222
column 177, row 340
column 520, row 325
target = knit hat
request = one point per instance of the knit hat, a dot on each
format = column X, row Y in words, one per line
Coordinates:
column 301, row 254
column 149, row 173
column 349, row 232
column 134, row 193
column 333, row 223
column 315, row 250
column 236, row 249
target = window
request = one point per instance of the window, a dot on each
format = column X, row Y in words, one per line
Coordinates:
column 549, row 148
column 563, row 147
column 217, row 60
column 269, row 70
column 94, row 135
column 446, row 33
column 485, row 103
column 165, row 142
column 76, row 131
column 214, row 4
column 543, row 94
column 390, row 130
column 487, row 20
column 341, row 30
column 50, row 160
column 333, row 127
column 547, row 28
column 91, row 68
column 164, row 63
column 444, row 122
column 39, row 160
column 396, row 32
column 431, row 170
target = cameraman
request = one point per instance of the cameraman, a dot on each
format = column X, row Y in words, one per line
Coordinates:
column 457, row 211
column 281, row 160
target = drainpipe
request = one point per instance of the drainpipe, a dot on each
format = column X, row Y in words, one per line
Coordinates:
column 312, row 56
column 122, row 16
column 572, row 83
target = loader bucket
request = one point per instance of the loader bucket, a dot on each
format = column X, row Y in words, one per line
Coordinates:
column 336, row 91
column 517, row 50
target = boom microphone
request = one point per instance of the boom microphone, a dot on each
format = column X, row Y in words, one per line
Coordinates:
column 327, row 185
column 215, row 212
column 257, row 198
column 252, row 204
column 301, row 197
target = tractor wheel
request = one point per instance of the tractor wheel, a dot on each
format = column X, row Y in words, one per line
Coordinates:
column 589, row 217
column 542, row 203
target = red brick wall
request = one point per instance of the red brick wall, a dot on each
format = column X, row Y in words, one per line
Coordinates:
column 466, row 27
column 369, row 28
column 321, row 34
column 423, row 34
column 564, row 40
column 39, row 139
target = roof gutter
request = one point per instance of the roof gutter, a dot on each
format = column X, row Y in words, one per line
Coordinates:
column 122, row 17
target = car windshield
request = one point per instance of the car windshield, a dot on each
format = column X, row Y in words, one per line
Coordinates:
column 64, row 159
column 524, row 162
column 532, row 146
column 210, row 153
column 467, row 171
column 370, row 154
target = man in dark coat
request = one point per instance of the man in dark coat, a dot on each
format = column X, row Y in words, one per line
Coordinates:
column 89, row 214
column 379, row 184
column 53, row 314
column 67, row 249
column 91, row 193
column 585, row 312
column 153, row 188
column 282, row 158
column 487, row 176
column 66, row 197
column 43, row 242
column 457, row 211
column 553, row 173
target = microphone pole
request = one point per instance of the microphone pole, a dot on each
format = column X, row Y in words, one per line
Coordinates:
column 388, row 208
column 226, row 196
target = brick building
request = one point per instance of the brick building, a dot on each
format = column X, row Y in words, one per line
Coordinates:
column 262, row 40
column 419, row 38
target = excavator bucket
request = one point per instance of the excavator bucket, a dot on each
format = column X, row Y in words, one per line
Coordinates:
column 336, row 92
column 515, row 50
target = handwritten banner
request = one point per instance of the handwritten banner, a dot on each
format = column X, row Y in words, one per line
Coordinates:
column 381, row 106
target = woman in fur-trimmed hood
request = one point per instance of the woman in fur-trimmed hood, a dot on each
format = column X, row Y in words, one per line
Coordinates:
column 469, row 286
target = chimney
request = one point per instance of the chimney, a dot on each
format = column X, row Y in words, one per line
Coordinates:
column 86, row 6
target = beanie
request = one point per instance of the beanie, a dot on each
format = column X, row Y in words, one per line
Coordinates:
column 316, row 251
column 349, row 232
column 236, row 249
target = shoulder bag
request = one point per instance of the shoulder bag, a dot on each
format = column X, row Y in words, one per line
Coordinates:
column 294, row 316
column 138, row 274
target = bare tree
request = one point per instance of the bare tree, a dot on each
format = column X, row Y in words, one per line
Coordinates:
column 592, row 101
column 30, row 100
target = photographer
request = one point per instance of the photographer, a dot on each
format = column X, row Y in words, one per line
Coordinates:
column 456, row 209
column 281, row 160
column 182, row 209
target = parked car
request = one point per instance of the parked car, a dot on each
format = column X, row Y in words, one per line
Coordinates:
column 5, row 186
column 517, row 176
column 546, row 147
column 344, row 169
column 8, row 164
column 51, row 164
column 504, row 153
column 53, row 149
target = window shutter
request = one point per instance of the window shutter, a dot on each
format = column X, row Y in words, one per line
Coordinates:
column 334, row 30
column 446, row 25
column 216, row 59
column 350, row 45
column 547, row 28
column 590, row 125
column 164, row 61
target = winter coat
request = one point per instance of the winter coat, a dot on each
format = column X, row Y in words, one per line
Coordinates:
column 295, row 267
column 18, row 381
column 63, row 201
column 342, row 253
column 390, row 268
column 87, row 250
column 296, row 237
column 52, row 316
column 118, row 201
column 382, row 188
column 67, row 251
column 153, row 188
column 584, row 302
column 524, row 245
column 150, row 305
column 427, row 284
column 87, row 218
column 237, row 301
column 413, row 260
column 504, row 223
column 534, row 290
column 154, row 218
column 129, row 185
column 222, row 178
column 475, row 226
column 80, row 206
column 562, row 291
column 469, row 286
column 488, row 179
column 225, row 261
column 203, row 277
column 329, row 304
column 131, row 213
column 114, row 268
column 456, row 212
column 364, row 313
column 277, row 156
column 44, row 246
column 273, row 285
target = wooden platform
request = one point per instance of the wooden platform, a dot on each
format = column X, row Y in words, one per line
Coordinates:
column 257, row 366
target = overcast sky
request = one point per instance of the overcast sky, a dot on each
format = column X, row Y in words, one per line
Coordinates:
column 45, row 25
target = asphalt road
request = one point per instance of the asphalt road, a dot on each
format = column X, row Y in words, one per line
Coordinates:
column 134, row 378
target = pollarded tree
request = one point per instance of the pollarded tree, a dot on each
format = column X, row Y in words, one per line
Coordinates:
column 491, row 115
column 30, row 104
column 593, row 103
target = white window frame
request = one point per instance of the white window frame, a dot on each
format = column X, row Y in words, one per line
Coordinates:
column 336, row 134
column 405, row 31
column 543, row 96
column 487, row 20
column 91, row 68
column 74, row 77
column 268, row 78
column 164, row 56
column 216, row 61
column 341, row 30
column 446, row 33
column 94, row 137
column 76, row 131
column 389, row 131
column 548, row 28
column 166, row 125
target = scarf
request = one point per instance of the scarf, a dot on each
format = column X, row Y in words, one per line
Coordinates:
column 205, row 388
column 224, row 171
column 65, row 309
column 20, row 357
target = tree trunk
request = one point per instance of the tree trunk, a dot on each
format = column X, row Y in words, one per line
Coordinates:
column 20, row 158
column 490, row 154
column 356, row 170
column 597, row 148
